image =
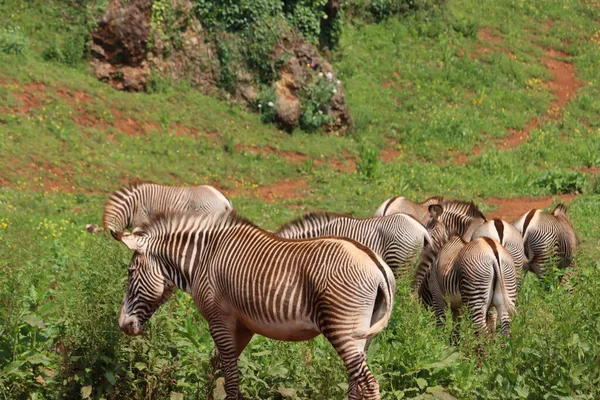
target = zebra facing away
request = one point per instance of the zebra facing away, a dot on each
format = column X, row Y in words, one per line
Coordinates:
column 245, row 280
column 547, row 235
column 508, row 236
column 457, row 216
column 480, row 274
column 401, row 204
column 130, row 206
column 398, row 239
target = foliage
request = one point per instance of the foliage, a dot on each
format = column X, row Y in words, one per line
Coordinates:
column 419, row 82
column 12, row 41
column 369, row 160
column 560, row 181
column 315, row 98
column 267, row 104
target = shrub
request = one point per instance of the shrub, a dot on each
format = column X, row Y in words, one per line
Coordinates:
column 560, row 181
column 12, row 41
column 69, row 50
column 266, row 105
column 369, row 161
column 316, row 102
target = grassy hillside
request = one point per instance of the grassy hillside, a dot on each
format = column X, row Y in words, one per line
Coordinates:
column 475, row 101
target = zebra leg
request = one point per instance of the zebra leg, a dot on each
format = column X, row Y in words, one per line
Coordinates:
column 492, row 317
column 230, row 341
column 362, row 383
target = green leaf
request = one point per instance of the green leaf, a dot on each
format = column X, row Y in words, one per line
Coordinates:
column 86, row 392
column 176, row 396
column 39, row 359
column 34, row 320
column 13, row 368
column 110, row 377
column 287, row 392
column 421, row 383
column 140, row 366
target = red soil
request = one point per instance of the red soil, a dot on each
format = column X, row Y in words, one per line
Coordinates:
column 512, row 208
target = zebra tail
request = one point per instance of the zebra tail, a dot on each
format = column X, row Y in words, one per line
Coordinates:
column 508, row 303
column 386, row 288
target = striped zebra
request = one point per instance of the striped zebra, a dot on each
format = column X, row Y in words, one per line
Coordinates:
column 245, row 280
column 130, row 206
column 400, row 204
column 480, row 274
column 508, row 236
column 457, row 216
column 547, row 235
column 398, row 239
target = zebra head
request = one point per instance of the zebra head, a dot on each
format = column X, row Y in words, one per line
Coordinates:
column 147, row 287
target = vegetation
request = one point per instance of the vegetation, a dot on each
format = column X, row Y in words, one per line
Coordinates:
column 428, row 83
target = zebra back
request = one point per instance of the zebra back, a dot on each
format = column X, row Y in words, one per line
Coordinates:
column 130, row 206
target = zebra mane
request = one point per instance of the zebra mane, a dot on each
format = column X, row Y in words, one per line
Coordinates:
column 433, row 200
column 560, row 208
column 316, row 217
column 169, row 222
column 466, row 208
column 430, row 253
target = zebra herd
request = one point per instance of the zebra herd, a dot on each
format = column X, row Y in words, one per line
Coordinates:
column 323, row 273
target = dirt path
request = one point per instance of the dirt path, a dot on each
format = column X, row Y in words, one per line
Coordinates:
column 512, row 208
column 286, row 189
column 563, row 87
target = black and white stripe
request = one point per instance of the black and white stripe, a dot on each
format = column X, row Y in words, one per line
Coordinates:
column 508, row 236
column 398, row 239
column 130, row 206
column 245, row 280
column 547, row 236
column 480, row 274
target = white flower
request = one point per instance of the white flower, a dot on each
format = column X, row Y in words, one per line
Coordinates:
column 260, row 106
column 329, row 76
column 271, row 104
column 334, row 91
column 338, row 82
column 320, row 74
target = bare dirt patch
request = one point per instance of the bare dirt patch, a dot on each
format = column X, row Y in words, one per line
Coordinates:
column 563, row 87
column 284, row 190
column 486, row 35
column 391, row 151
column 512, row 208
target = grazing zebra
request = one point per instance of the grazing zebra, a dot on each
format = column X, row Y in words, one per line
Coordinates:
column 547, row 235
column 398, row 239
column 130, row 206
column 245, row 280
column 480, row 273
column 508, row 236
column 401, row 204
column 457, row 216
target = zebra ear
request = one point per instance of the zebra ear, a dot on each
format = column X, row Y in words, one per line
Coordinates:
column 435, row 210
column 134, row 241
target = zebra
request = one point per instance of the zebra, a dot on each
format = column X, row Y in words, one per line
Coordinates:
column 479, row 273
column 508, row 236
column 401, row 204
column 398, row 239
column 547, row 235
column 130, row 206
column 459, row 216
column 246, row 280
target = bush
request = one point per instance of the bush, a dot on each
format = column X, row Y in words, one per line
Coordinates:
column 560, row 181
column 69, row 50
column 316, row 102
column 266, row 105
column 12, row 41
column 369, row 161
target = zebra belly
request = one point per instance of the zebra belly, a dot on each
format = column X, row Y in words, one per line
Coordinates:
column 289, row 331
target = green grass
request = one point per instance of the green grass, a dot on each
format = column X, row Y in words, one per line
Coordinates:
column 421, row 81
